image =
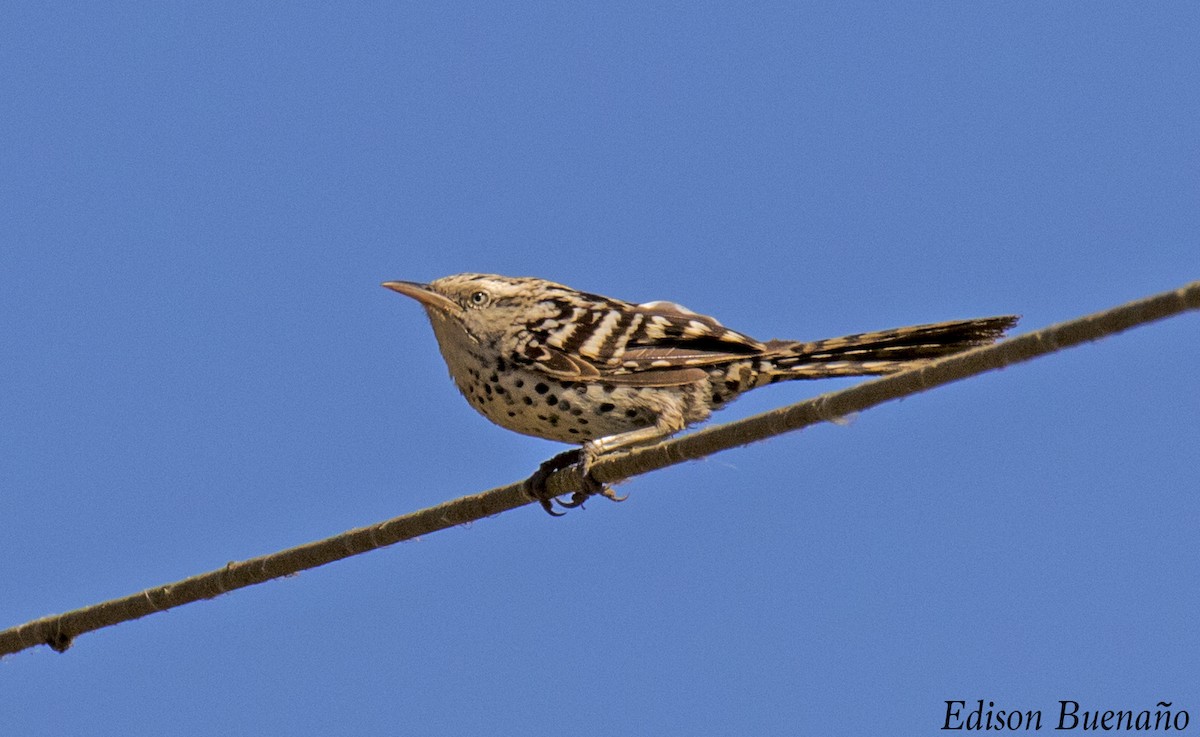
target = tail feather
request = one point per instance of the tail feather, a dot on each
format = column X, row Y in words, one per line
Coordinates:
column 881, row 352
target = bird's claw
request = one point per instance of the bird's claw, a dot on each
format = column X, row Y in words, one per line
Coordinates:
column 579, row 497
column 535, row 486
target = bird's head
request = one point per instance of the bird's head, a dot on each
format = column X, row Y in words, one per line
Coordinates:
column 482, row 307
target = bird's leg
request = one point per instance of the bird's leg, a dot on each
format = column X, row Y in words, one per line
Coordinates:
column 583, row 458
column 535, row 486
column 668, row 424
column 623, row 440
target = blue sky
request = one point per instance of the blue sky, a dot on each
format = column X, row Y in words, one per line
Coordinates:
column 200, row 201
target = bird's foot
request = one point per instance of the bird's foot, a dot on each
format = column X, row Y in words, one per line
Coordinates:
column 583, row 457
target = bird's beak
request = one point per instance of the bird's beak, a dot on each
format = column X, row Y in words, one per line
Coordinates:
column 423, row 294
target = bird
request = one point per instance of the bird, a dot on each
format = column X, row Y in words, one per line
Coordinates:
column 546, row 360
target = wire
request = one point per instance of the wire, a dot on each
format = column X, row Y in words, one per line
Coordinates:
column 59, row 630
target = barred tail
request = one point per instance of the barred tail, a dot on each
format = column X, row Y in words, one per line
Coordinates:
column 882, row 352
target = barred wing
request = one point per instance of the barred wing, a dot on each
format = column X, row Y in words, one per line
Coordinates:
column 653, row 344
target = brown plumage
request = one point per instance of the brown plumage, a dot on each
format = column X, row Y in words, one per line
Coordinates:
column 546, row 360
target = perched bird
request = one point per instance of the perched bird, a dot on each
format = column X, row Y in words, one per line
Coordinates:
column 546, row 360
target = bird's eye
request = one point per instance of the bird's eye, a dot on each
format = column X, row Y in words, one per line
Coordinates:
column 479, row 299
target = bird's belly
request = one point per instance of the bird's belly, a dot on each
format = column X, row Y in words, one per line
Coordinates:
column 567, row 411
column 532, row 403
